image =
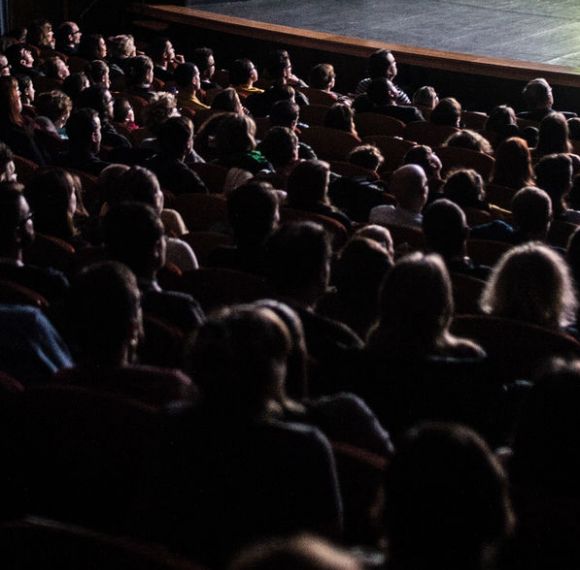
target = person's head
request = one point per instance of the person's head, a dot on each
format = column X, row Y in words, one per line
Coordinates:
column 133, row 234
column 68, row 35
column 465, row 187
column 176, row 137
column 469, row 140
column 84, row 130
column 204, row 58
column 98, row 73
column 122, row 46
column 104, row 315
column 446, row 499
column 409, row 186
column 100, row 99
column 415, row 306
column 140, row 72
column 186, row 76
column 445, row 229
column 500, row 118
column 137, row 184
column 303, row 551
column 382, row 64
column 108, row 183
column 513, row 164
column 55, row 68
column 380, row 235
column 426, row 97
column 554, row 175
column 423, row 156
column 27, row 91
column 123, row 111
column 532, row 213
column 161, row 50
column 278, row 66
column 5, row 67
column 228, row 101
column 322, row 76
column 252, row 213
column 16, row 227
column 280, row 147
column 10, row 102
column 55, row 105
column 40, row 34
column 238, row 359
column 308, row 183
column 366, row 156
column 235, row 134
column 537, row 95
column 298, row 261
column 51, row 196
column 243, row 72
column 554, row 135
column 340, row 116
column 75, row 83
column 447, row 112
column 531, row 283
column 92, row 46
column 19, row 56
column 285, row 113
column 7, row 166
column 381, row 92
column 161, row 107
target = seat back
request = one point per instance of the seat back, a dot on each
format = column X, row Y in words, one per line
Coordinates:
column 500, row 195
column 318, row 97
column 335, row 230
column 203, row 243
column 432, row 135
column 393, row 150
column 454, row 157
column 474, row 120
column 202, row 212
column 377, row 124
column 163, row 344
column 560, row 232
column 407, row 238
column 329, row 144
column 487, row 252
column 50, row 251
column 214, row 175
column 466, row 293
column 313, row 115
column 14, row 294
column 25, row 168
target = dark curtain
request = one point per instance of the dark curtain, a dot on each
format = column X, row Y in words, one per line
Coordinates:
column 3, row 16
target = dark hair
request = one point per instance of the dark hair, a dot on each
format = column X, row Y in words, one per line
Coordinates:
column 89, row 46
column 10, row 102
column 10, row 219
column 308, row 184
column 321, row 76
column 554, row 135
column 184, row 74
column 121, row 107
column 532, row 211
column 381, row 91
column 138, row 184
column 200, row 57
column 96, row 71
column 53, row 104
column 226, row 100
column 241, row 71
column 554, row 175
column 445, row 228
column 96, row 97
column 513, row 164
column 379, row 63
column 74, row 84
column 284, row 113
column 367, row 156
column 175, row 136
column 279, row 146
column 235, row 134
column 6, row 156
column 447, row 112
column 466, row 188
column 81, row 126
column 421, row 155
column 139, row 68
column 340, row 116
column 469, row 140
column 157, row 47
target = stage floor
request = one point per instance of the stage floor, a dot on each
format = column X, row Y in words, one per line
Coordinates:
column 540, row 31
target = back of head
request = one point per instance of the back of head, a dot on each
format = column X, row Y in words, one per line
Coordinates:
column 409, row 186
column 103, row 312
column 227, row 101
column 548, row 430
column 138, row 184
column 238, row 358
column 304, row 552
column 531, row 283
column 445, row 228
column 176, row 137
column 532, row 212
column 465, row 187
column 55, row 105
column 96, row 97
column 554, row 175
column 184, row 74
column 235, row 135
column 416, row 306
column 554, row 135
column 469, row 140
column 297, row 257
column 446, row 499
column 447, row 112
column 284, row 113
column 280, row 147
column 379, row 63
column 340, row 116
column 140, row 70
column 321, row 76
column 252, row 212
column 537, row 94
column 423, row 156
column 133, row 234
column 81, row 128
column 367, row 156
column 241, row 71
column 201, row 57
column 513, row 164
column 500, row 118
column 425, row 96
column 308, row 183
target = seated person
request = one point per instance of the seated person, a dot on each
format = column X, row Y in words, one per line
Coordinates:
column 104, row 328
column 253, row 216
column 287, row 114
column 469, row 140
column 134, row 235
column 16, row 235
column 68, row 37
column 382, row 64
column 204, row 59
column 243, row 75
column 425, row 99
column 539, row 101
column 341, row 116
column 446, row 232
column 175, row 141
column 121, row 50
column 164, row 58
column 139, row 77
column 280, row 147
column 55, row 68
column 447, row 113
column 84, row 133
column 425, row 157
column 187, row 79
column 381, row 97
column 409, row 186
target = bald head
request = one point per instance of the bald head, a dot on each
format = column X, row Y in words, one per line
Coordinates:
column 409, row 186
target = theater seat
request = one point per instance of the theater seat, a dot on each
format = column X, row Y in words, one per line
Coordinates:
column 377, row 124
column 336, row 231
column 329, row 144
column 393, row 150
column 428, row 133
column 202, row 212
column 454, row 157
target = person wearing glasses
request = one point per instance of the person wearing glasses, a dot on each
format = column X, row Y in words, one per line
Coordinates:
column 68, row 38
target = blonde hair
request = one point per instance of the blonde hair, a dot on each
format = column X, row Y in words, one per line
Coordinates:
column 531, row 283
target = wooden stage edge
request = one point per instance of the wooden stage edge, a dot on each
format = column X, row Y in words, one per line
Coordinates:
column 334, row 43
